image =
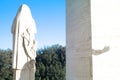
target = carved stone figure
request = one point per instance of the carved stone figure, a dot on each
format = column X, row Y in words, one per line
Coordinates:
column 24, row 50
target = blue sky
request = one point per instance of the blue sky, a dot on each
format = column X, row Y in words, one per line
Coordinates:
column 48, row 14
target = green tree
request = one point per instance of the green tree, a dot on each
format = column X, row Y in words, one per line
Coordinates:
column 6, row 65
column 50, row 64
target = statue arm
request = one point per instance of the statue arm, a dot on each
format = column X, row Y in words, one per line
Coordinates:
column 97, row 52
column 28, row 44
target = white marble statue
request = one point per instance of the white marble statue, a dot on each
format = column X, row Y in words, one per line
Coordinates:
column 24, row 50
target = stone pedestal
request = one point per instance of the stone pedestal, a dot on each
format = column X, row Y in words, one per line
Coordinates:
column 78, row 40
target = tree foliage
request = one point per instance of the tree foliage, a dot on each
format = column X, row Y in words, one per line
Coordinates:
column 50, row 64
column 6, row 65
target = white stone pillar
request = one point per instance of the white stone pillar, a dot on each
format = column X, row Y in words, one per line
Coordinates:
column 78, row 40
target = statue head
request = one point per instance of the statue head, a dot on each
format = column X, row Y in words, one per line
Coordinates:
column 24, row 19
